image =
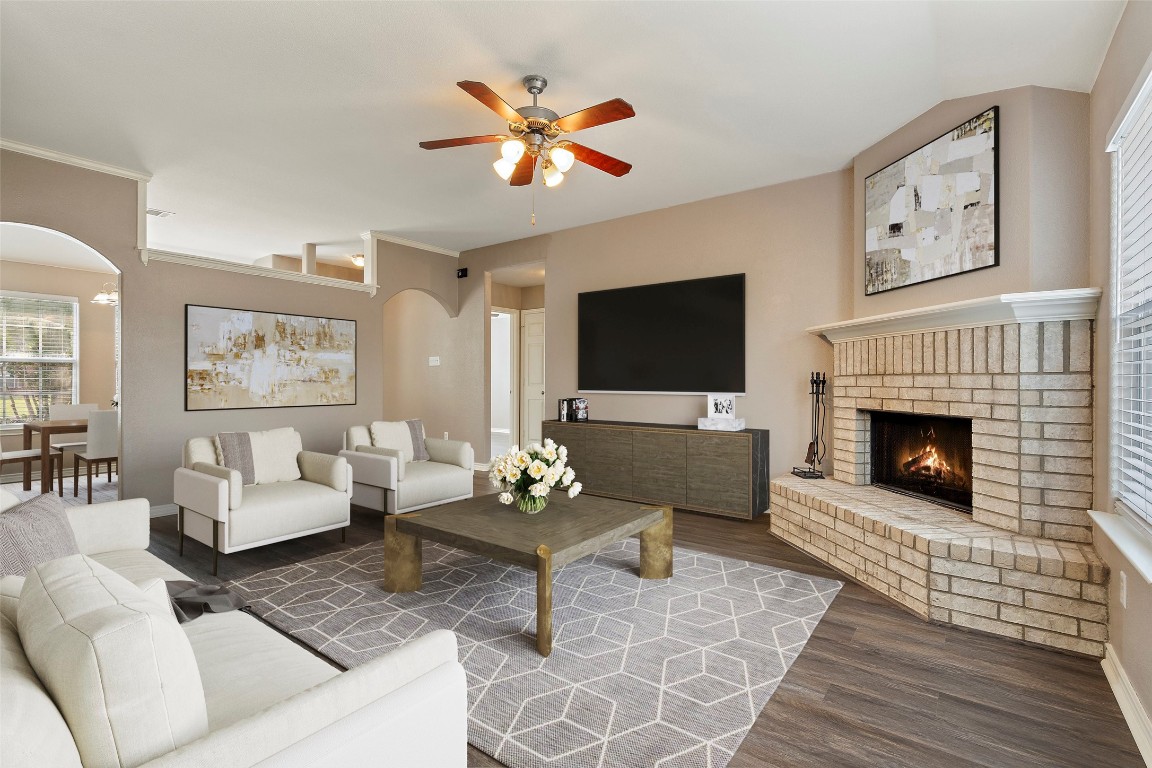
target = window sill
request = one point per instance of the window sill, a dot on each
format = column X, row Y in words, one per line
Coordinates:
column 1133, row 542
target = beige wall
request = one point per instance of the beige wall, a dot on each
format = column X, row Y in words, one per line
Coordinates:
column 511, row 297
column 791, row 240
column 100, row 211
column 1043, row 186
column 532, row 297
column 97, row 325
column 1129, row 629
column 294, row 264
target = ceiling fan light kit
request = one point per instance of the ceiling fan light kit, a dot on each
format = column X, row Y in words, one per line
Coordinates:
column 536, row 136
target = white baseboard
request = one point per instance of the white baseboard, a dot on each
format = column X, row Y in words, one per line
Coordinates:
column 163, row 510
column 1135, row 714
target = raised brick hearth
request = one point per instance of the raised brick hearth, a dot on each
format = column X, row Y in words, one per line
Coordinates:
column 1022, row 564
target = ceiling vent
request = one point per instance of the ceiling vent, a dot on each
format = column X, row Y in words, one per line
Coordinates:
column 159, row 213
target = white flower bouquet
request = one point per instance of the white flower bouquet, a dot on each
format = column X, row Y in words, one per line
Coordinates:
column 528, row 476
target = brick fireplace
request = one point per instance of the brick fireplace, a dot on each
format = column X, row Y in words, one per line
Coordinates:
column 1019, row 366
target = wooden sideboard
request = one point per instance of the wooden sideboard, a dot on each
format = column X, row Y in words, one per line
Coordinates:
column 721, row 473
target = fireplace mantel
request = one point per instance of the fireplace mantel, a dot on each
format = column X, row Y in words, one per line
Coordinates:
column 1034, row 307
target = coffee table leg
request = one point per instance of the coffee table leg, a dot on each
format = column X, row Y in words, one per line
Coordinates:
column 656, row 549
column 543, row 600
column 402, row 559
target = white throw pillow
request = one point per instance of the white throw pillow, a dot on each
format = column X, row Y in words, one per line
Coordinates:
column 274, row 454
column 392, row 434
column 119, row 667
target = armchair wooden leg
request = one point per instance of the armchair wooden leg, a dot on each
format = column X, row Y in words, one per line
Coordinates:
column 215, row 547
column 344, row 534
column 180, row 527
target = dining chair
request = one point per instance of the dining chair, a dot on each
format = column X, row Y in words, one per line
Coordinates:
column 103, row 445
column 68, row 442
column 25, row 457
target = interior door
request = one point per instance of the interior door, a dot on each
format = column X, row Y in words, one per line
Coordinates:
column 531, row 375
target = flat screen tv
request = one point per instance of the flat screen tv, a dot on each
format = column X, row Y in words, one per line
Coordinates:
column 685, row 337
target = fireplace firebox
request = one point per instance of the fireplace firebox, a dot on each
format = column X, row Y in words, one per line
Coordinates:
column 929, row 457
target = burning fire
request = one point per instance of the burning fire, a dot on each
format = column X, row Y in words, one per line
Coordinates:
column 928, row 462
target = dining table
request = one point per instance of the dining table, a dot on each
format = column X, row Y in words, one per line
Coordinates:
column 47, row 428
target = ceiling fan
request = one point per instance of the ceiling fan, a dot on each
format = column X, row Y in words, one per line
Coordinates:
column 536, row 135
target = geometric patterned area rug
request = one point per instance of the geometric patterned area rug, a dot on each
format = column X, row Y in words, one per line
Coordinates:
column 668, row 672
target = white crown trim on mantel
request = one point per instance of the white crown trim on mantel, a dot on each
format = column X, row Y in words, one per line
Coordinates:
column 151, row 254
column 1007, row 308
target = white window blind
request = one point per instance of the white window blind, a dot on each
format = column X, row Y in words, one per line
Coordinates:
column 39, row 343
column 1132, row 428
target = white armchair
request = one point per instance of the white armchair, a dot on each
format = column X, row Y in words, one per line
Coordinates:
column 392, row 475
column 295, row 493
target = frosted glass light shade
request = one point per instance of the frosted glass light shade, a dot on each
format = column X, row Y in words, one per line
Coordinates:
column 512, row 150
column 562, row 158
column 552, row 175
column 504, row 168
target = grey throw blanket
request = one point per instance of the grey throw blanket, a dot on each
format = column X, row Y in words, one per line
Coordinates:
column 190, row 599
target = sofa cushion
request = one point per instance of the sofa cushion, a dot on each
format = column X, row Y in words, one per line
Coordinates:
column 429, row 482
column 200, row 449
column 273, row 455
column 393, row 434
column 416, row 430
column 118, row 666
column 34, row 532
column 284, row 510
column 32, row 730
column 247, row 666
column 236, row 455
column 10, row 587
column 356, row 437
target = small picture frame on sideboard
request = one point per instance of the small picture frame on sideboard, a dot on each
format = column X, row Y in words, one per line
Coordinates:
column 721, row 406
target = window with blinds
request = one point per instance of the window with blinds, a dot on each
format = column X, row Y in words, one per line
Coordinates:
column 39, row 353
column 1132, row 375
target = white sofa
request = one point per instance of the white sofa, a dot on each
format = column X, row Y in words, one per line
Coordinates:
column 230, row 516
column 387, row 479
column 269, row 701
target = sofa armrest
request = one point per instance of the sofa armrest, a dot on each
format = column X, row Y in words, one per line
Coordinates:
column 324, row 469
column 287, row 732
column 381, row 467
column 233, row 476
column 202, row 493
column 455, row 452
column 111, row 526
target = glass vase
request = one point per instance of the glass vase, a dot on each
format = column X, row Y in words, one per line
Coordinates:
column 529, row 504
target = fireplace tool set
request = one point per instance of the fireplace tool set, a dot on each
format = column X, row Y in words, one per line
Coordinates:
column 817, row 383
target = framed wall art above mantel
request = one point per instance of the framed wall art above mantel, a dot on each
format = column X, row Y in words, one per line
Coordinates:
column 238, row 358
column 933, row 213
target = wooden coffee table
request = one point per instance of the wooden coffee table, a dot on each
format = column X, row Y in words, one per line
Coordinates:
column 566, row 530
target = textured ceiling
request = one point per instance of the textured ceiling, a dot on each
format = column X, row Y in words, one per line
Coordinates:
column 36, row 245
column 268, row 125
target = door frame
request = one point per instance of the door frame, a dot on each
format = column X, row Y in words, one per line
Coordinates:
column 519, row 360
column 513, row 375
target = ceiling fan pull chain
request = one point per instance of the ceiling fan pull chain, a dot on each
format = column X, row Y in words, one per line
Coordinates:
column 533, row 204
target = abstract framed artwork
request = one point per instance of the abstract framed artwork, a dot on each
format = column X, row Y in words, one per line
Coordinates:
column 238, row 358
column 934, row 212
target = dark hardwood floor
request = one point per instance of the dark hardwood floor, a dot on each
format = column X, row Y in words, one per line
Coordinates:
column 875, row 685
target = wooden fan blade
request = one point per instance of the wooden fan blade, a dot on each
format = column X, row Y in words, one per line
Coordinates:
column 488, row 98
column 522, row 176
column 608, row 112
column 461, row 142
column 604, row 162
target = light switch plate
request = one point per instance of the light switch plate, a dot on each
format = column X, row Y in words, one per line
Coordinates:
column 433, row 361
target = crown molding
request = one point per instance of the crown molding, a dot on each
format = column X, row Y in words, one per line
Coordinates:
column 373, row 233
column 79, row 162
column 149, row 255
column 1005, row 309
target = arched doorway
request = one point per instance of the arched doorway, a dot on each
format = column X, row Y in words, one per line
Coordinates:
column 61, row 337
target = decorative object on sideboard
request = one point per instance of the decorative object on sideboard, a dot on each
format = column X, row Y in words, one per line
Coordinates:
column 721, row 414
column 572, row 409
column 817, row 449
column 237, row 358
column 528, row 476
column 934, row 213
